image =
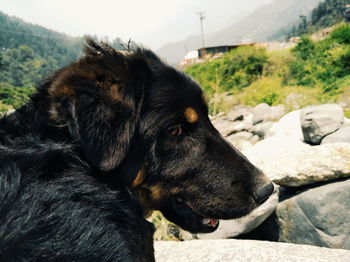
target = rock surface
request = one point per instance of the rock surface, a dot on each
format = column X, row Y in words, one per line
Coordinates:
column 235, row 227
column 341, row 135
column 319, row 121
column 244, row 251
column 262, row 129
column 264, row 112
column 227, row 128
column 289, row 162
column 289, row 125
column 318, row 216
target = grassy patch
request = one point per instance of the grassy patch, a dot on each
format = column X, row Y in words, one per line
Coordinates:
column 165, row 230
column 310, row 73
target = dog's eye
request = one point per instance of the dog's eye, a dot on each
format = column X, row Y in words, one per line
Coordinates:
column 175, row 130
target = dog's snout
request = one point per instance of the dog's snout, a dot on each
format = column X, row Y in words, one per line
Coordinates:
column 263, row 193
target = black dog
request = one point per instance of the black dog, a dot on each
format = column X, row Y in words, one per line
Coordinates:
column 101, row 144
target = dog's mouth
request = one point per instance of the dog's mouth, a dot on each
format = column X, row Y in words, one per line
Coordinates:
column 205, row 220
column 189, row 218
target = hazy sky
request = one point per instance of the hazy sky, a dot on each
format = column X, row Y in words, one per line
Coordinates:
column 151, row 22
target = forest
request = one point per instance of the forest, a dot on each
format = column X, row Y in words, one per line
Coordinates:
column 28, row 54
column 326, row 14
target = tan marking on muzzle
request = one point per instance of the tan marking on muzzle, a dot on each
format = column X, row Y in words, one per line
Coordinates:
column 191, row 115
column 156, row 193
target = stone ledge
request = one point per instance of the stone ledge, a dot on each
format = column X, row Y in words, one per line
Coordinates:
column 244, row 251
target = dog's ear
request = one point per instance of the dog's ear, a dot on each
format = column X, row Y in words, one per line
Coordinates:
column 100, row 99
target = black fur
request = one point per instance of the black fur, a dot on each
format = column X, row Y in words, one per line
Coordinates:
column 53, row 209
column 103, row 142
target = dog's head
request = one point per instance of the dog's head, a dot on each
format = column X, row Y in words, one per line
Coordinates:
column 146, row 123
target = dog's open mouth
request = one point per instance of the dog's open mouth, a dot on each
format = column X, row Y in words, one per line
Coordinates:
column 205, row 220
column 192, row 219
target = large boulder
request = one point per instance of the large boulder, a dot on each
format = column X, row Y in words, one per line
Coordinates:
column 318, row 216
column 346, row 121
column 262, row 129
column 289, row 162
column 239, row 113
column 264, row 112
column 223, row 126
column 244, row 251
column 289, row 125
column 235, row 227
column 341, row 135
column 319, row 121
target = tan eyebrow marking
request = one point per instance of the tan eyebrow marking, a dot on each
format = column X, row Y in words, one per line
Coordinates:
column 191, row 115
column 140, row 177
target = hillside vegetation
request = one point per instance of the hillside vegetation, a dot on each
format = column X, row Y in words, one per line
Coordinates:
column 310, row 73
column 28, row 54
column 327, row 13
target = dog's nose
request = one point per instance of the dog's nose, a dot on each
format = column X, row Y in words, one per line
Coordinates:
column 263, row 193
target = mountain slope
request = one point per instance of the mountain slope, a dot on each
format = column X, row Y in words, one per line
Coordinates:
column 44, row 42
column 257, row 27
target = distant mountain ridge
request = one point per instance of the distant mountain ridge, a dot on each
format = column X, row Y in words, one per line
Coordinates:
column 256, row 27
column 44, row 42
column 47, row 43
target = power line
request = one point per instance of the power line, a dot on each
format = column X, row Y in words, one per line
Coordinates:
column 202, row 17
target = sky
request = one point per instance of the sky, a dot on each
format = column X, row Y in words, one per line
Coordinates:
column 150, row 22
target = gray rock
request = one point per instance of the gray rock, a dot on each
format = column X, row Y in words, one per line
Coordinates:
column 243, row 140
column 244, row 135
column 288, row 125
column 319, row 121
column 235, row 227
column 341, row 135
column 289, row 162
column 277, row 112
column 264, row 112
column 242, row 126
column 234, row 115
column 262, row 129
column 260, row 113
column 244, row 251
column 227, row 128
column 241, row 144
column 319, row 216
column 240, row 113
column 223, row 126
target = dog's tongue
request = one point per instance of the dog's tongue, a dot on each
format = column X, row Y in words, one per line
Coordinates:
column 210, row 221
column 213, row 222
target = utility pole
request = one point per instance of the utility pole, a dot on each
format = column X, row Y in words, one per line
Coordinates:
column 201, row 17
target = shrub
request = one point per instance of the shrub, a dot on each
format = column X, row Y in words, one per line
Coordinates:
column 4, row 108
column 341, row 34
column 266, row 90
column 236, row 70
column 14, row 96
